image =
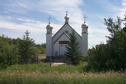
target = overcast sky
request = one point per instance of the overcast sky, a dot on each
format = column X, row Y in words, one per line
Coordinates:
column 17, row 16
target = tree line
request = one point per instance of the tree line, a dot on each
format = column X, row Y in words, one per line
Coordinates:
column 19, row 51
column 112, row 55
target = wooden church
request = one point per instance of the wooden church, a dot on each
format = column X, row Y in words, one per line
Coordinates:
column 56, row 44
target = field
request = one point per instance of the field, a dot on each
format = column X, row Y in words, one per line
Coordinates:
column 64, row 74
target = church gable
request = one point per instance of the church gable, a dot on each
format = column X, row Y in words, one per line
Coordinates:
column 64, row 36
column 67, row 29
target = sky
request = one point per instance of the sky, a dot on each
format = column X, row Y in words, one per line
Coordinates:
column 17, row 16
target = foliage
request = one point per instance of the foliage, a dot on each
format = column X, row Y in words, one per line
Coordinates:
column 8, row 53
column 110, row 56
column 41, row 48
column 27, row 50
column 13, row 51
column 97, row 57
column 73, row 54
column 116, row 43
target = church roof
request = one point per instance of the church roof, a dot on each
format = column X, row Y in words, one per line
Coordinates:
column 62, row 28
column 61, row 35
column 66, row 28
column 75, row 31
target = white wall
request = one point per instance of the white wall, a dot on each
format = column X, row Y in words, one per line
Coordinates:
column 60, row 49
column 85, row 41
column 48, row 45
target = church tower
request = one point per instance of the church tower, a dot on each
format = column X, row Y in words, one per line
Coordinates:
column 49, row 40
column 84, row 39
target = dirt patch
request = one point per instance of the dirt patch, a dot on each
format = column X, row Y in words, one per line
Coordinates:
column 56, row 64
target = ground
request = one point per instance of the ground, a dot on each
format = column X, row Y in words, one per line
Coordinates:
column 42, row 73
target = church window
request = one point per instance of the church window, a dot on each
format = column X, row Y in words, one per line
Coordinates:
column 63, row 42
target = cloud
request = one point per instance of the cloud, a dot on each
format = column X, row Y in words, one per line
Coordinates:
column 22, row 24
column 27, row 24
column 15, row 26
column 55, row 9
column 122, row 10
column 25, row 19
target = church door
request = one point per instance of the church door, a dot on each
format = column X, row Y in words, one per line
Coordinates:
column 62, row 47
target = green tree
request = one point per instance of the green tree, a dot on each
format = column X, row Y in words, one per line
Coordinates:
column 8, row 52
column 116, row 42
column 27, row 50
column 73, row 54
column 110, row 56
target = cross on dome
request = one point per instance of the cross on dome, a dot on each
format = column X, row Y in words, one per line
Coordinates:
column 49, row 19
column 84, row 19
column 66, row 18
column 66, row 13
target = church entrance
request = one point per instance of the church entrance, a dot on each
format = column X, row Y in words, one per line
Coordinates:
column 62, row 47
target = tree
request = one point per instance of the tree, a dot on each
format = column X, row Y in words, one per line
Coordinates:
column 116, row 42
column 27, row 50
column 8, row 52
column 73, row 54
column 110, row 56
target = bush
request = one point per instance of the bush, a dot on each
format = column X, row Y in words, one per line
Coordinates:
column 8, row 53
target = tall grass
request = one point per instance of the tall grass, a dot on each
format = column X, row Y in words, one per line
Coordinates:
column 63, row 74
column 58, row 78
column 45, row 67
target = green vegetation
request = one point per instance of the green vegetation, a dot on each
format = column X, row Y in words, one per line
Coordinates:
column 73, row 54
column 27, row 50
column 18, row 51
column 8, row 52
column 45, row 67
column 110, row 56
column 41, row 48
column 64, row 74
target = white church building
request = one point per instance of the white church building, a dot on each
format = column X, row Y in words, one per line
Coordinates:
column 56, row 44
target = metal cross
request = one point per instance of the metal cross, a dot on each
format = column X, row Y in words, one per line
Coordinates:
column 84, row 19
column 66, row 13
column 49, row 19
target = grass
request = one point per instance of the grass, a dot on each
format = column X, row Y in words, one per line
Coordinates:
column 60, row 80
column 64, row 74
column 45, row 67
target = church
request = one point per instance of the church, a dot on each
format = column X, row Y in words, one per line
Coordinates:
column 56, row 44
